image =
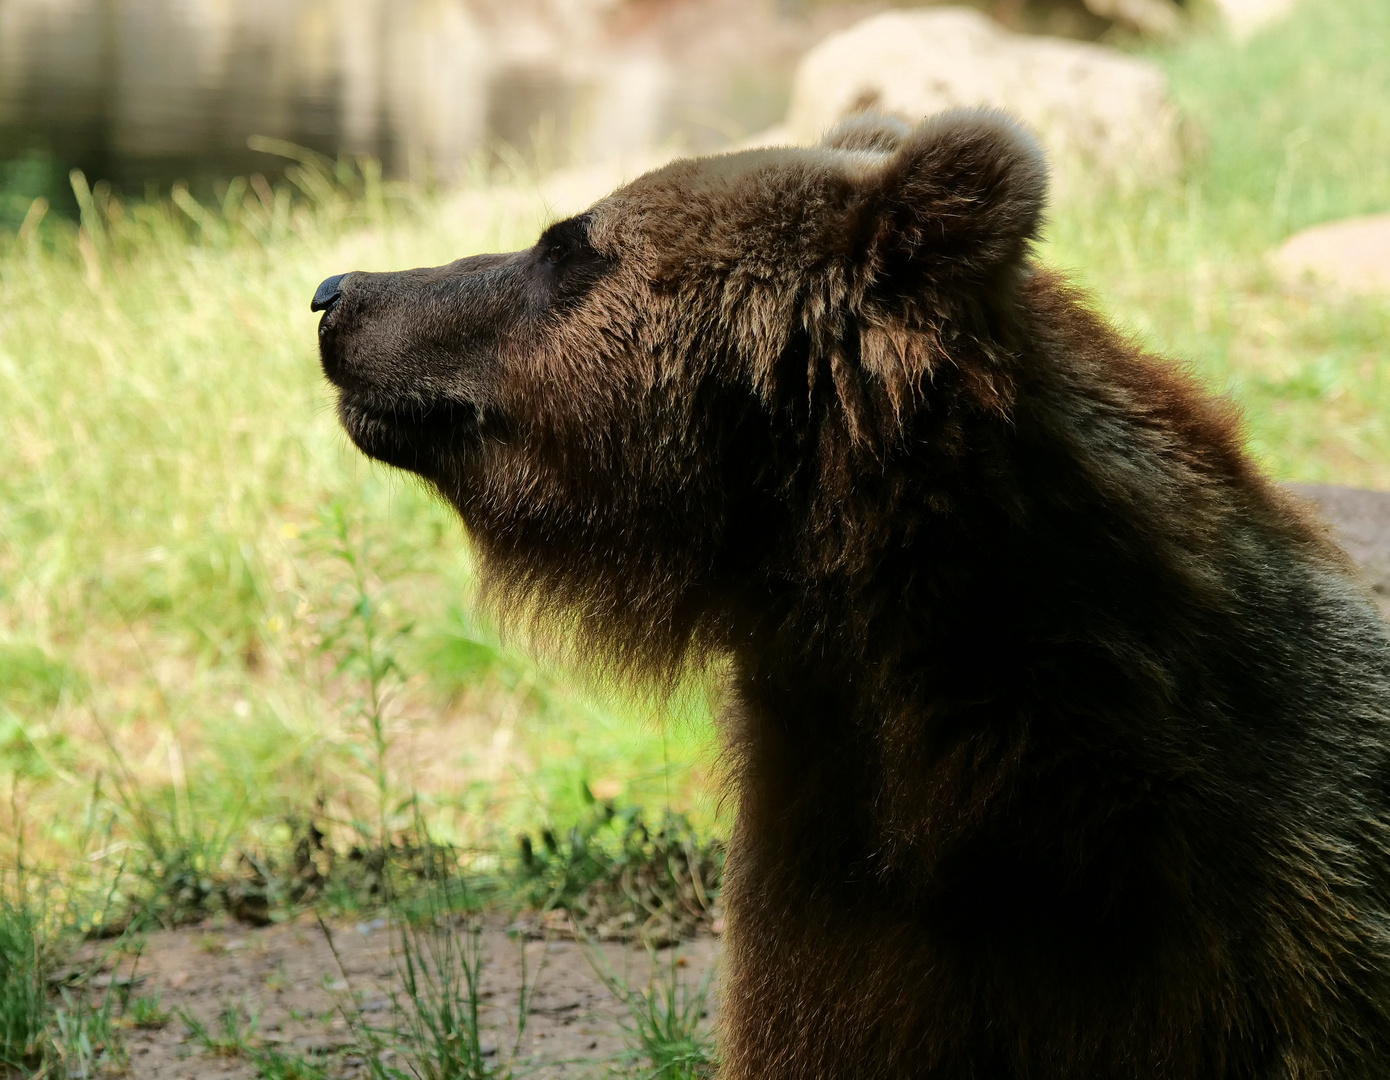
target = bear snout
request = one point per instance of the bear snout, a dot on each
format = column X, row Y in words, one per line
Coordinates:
column 402, row 351
column 327, row 295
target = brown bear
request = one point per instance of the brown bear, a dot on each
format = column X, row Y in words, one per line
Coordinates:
column 1060, row 736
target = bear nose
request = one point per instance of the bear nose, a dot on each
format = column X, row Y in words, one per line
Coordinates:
column 328, row 293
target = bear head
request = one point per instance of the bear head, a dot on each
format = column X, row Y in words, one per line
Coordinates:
column 714, row 383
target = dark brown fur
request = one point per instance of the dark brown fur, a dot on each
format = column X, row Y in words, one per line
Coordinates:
column 1061, row 736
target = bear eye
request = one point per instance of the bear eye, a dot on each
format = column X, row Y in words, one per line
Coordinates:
column 565, row 264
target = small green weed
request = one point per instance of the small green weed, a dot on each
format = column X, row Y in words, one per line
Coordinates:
column 273, row 1064
column 83, row 1036
column 54, row 1032
column 667, row 1033
column 234, row 1036
column 24, row 1008
column 623, row 879
column 441, row 971
column 180, row 863
column 231, row 1037
column 436, row 1031
column 364, row 643
column 146, row 1013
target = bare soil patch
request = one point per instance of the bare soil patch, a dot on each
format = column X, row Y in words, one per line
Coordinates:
column 287, row 978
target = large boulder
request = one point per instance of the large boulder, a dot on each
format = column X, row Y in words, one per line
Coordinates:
column 1350, row 256
column 1157, row 18
column 1094, row 108
column 1248, row 17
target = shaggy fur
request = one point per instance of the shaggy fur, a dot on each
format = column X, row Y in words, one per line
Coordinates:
column 1061, row 734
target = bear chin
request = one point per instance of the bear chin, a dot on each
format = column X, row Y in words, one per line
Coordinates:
column 416, row 437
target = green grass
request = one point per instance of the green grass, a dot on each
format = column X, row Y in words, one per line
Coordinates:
column 190, row 551
column 180, row 613
column 668, row 1033
column 1295, row 127
column 52, row 1024
column 146, row 1012
column 234, row 1035
column 24, row 1008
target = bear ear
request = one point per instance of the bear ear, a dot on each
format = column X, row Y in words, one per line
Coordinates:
column 869, row 131
column 958, row 202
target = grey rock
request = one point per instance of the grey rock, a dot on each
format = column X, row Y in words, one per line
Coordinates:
column 1095, row 109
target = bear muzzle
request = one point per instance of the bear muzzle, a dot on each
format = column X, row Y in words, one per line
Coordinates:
column 413, row 354
column 423, row 439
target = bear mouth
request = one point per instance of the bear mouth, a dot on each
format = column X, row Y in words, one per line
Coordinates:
column 417, row 437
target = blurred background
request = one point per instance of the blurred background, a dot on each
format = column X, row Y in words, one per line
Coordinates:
column 148, row 92
column 242, row 677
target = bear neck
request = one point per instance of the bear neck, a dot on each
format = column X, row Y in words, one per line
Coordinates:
column 1085, row 579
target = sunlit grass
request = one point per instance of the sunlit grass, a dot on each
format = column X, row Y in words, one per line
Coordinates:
column 1295, row 130
column 169, row 458
column 169, row 588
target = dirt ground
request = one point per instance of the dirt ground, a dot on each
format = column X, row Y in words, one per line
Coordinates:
column 289, row 979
